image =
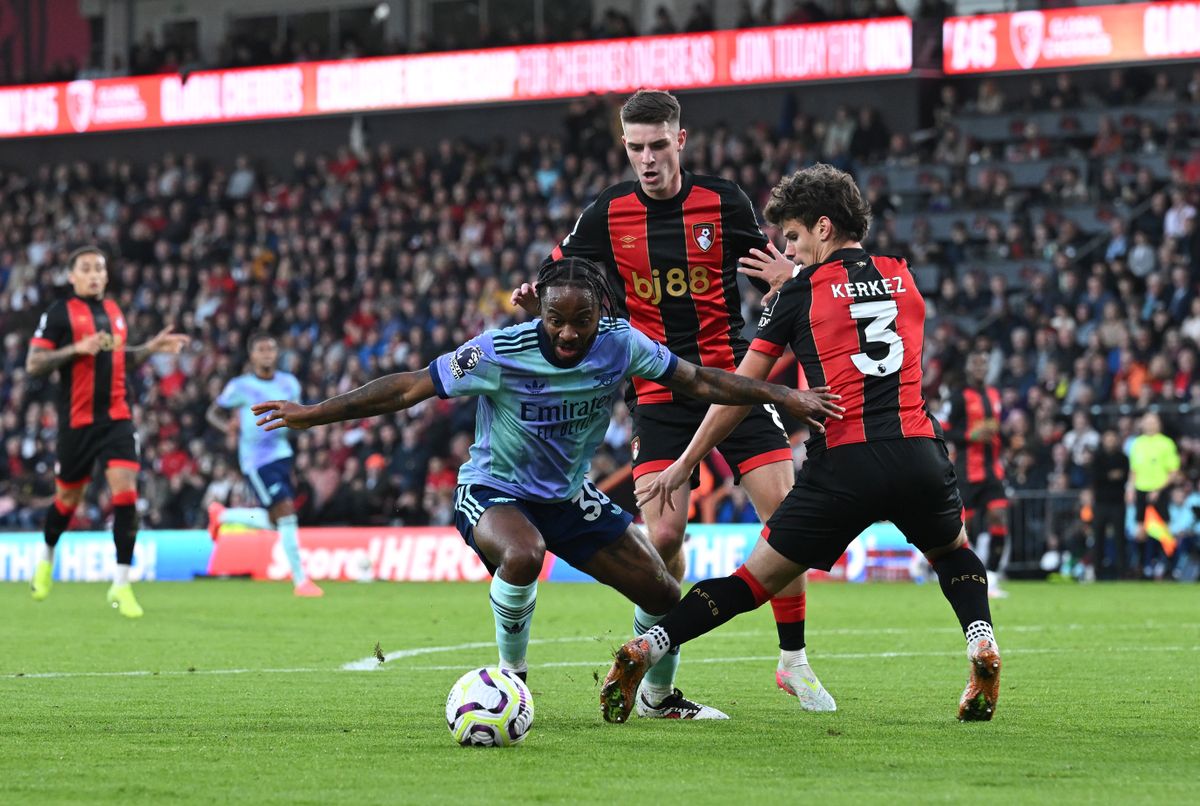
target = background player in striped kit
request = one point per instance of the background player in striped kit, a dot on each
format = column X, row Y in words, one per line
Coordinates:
column 85, row 337
column 973, row 425
column 855, row 321
column 671, row 241
column 265, row 457
column 546, row 390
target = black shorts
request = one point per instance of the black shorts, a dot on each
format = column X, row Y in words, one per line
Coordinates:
column 1141, row 500
column 79, row 449
column 843, row 490
column 982, row 496
column 662, row 431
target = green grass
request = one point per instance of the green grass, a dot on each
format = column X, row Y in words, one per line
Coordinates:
column 1099, row 701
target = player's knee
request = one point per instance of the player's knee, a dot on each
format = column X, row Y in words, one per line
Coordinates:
column 522, row 564
column 935, row 554
column 69, row 497
column 666, row 536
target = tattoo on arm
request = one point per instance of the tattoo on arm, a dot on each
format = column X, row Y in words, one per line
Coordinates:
column 41, row 361
column 138, row 352
column 390, row 393
column 715, row 386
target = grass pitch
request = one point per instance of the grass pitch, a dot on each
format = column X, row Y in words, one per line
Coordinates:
column 235, row 691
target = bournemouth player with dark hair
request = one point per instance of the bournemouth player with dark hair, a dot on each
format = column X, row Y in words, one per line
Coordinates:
column 973, row 425
column 856, row 324
column 671, row 241
column 85, row 337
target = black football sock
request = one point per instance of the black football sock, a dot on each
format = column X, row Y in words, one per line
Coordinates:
column 57, row 519
column 125, row 532
column 964, row 584
column 708, row 605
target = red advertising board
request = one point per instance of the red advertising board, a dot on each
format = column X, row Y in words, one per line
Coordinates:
column 395, row 554
column 1070, row 37
column 686, row 61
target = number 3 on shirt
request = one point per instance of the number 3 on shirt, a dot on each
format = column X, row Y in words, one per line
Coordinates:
column 879, row 315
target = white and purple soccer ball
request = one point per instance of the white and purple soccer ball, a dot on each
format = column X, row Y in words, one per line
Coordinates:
column 489, row 708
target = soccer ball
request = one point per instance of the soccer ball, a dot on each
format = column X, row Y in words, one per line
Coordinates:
column 489, row 708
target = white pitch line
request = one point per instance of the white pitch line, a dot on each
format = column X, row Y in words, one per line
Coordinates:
column 830, row 656
column 593, row 663
column 163, row 673
column 372, row 663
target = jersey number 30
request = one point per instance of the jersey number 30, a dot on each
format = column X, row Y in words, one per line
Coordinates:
column 879, row 316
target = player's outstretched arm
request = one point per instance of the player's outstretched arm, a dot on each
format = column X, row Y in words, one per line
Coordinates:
column 41, row 361
column 164, row 342
column 742, row 389
column 390, row 393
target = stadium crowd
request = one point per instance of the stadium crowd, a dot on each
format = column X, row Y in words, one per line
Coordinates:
column 369, row 262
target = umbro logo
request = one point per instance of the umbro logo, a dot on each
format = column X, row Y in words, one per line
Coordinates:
column 536, row 388
column 628, row 242
column 513, row 629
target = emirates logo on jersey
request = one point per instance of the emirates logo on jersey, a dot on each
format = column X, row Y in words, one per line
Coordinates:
column 703, row 235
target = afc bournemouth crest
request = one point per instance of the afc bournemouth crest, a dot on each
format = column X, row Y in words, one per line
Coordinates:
column 636, row 446
column 703, row 235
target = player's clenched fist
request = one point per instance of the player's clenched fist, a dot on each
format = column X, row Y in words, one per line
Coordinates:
column 284, row 414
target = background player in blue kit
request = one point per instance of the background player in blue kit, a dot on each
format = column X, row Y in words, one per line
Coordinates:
column 546, row 390
column 265, row 458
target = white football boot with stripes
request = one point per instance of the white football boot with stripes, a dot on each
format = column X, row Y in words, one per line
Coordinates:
column 801, row 682
column 673, row 706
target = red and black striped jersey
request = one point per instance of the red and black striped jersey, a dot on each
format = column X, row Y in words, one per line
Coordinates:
column 92, row 388
column 857, row 325
column 976, row 461
column 673, row 264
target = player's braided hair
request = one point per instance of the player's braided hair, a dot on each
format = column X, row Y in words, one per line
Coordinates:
column 577, row 272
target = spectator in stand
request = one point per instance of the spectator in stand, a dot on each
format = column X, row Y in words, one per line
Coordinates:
column 664, row 23
column 701, row 19
column 1110, row 477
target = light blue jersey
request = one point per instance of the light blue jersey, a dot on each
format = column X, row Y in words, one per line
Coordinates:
column 257, row 447
column 538, row 423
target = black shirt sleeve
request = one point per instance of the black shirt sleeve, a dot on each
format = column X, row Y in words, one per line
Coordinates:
column 589, row 238
column 777, row 325
column 742, row 232
column 53, row 330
